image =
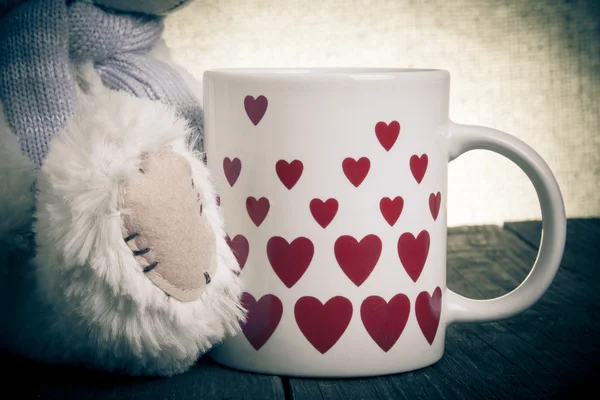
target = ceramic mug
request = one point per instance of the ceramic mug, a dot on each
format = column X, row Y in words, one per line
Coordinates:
column 333, row 193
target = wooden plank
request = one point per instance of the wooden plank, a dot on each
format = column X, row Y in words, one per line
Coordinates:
column 575, row 292
column 583, row 244
column 497, row 271
column 548, row 351
column 205, row 381
column 584, row 230
column 561, row 326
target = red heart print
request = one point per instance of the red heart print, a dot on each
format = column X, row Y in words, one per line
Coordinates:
column 413, row 253
column 418, row 166
column 428, row 310
column 257, row 209
column 240, row 248
column 290, row 260
column 435, row 200
column 262, row 318
column 391, row 209
column 387, row 134
column 357, row 259
column 385, row 321
column 232, row 169
column 323, row 212
column 323, row 324
column 289, row 173
column 255, row 108
column 356, row 170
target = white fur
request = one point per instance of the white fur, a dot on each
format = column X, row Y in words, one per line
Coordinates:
column 17, row 173
column 103, row 312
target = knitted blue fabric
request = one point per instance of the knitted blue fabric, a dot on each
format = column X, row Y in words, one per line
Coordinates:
column 42, row 40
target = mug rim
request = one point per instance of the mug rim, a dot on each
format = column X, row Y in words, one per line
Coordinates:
column 317, row 72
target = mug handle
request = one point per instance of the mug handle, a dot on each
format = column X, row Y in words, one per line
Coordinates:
column 463, row 138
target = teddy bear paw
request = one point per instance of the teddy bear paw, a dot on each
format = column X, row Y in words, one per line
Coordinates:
column 166, row 228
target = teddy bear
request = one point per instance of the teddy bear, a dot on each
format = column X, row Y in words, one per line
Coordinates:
column 113, row 254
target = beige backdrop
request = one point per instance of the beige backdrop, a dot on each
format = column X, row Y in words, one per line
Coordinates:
column 531, row 68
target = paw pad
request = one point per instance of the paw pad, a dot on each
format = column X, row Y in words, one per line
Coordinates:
column 166, row 229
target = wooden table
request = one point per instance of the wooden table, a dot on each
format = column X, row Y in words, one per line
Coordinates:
column 550, row 351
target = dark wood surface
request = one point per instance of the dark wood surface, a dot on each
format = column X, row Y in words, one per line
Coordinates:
column 551, row 350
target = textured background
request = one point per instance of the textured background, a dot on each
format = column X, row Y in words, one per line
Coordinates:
column 531, row 68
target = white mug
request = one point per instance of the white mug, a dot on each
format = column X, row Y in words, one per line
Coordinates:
column 332, row 185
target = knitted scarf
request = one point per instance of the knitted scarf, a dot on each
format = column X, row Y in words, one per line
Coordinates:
column 42, row 40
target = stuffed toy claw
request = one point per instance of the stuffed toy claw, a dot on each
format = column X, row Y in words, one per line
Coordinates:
column 112, row 251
